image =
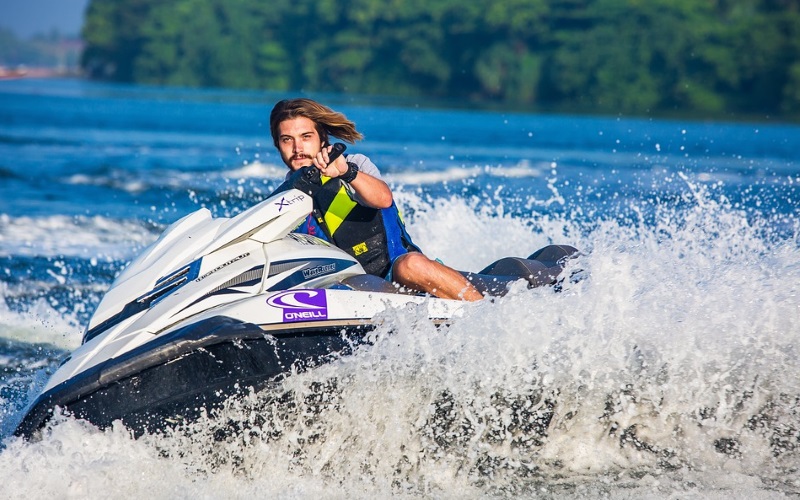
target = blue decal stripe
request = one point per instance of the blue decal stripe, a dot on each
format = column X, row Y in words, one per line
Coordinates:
column 301, row 275
column 239, row 281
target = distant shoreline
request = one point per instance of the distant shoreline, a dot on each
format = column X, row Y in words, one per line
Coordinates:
column 35, row 72
column 32, row 73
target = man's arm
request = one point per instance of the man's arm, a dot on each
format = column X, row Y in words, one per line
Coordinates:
column 371, row 190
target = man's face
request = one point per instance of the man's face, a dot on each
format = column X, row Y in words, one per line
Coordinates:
column 298, row 142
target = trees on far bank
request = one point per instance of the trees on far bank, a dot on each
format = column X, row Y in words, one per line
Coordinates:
column 580, row 55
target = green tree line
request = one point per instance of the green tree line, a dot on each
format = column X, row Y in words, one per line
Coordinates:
column 629, row 56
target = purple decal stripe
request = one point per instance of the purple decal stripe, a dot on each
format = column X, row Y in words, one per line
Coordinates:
column 301, row 305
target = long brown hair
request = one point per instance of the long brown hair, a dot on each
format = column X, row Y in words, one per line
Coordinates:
column 327, row 121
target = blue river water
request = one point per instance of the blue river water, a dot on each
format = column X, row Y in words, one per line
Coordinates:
column 669, row 371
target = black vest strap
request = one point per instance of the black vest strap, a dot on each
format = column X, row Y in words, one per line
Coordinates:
column 356, row 229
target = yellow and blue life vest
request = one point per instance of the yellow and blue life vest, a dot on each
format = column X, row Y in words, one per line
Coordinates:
column 375, row 237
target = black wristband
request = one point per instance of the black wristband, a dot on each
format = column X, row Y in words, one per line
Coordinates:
column 352, row 171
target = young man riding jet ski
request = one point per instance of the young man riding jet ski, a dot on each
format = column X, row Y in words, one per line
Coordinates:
column 217, row 306
column 354, row 209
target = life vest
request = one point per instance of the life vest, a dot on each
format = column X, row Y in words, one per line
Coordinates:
column 375, row 237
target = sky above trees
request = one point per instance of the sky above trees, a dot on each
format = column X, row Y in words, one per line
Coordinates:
column 26, row 18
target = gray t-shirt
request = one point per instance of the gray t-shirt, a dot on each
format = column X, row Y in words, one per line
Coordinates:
column 364, row 164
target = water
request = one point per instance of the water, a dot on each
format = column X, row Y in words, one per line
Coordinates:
column 669, row 371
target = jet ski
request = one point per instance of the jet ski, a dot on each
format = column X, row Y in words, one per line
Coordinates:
column 218, row 306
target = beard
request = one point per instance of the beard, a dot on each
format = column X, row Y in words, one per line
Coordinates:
column 297, row 161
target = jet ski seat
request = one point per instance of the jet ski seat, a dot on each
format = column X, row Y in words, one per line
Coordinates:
column 369, row 283
column 541, row 268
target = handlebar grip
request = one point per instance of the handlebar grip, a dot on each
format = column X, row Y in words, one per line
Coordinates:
column 307, row 179
column 311, row 174
column 336, row 152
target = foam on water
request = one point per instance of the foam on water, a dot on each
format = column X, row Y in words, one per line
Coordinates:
column 93, row 237
column 39, row 323
column 136, row 182
column 667, row 367
column 521, row 170
column 256, row 170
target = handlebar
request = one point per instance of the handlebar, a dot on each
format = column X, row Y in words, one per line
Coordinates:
column 307, row 179
column 336, row 151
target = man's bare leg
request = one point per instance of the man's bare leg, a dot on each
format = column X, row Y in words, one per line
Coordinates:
column 415, row 270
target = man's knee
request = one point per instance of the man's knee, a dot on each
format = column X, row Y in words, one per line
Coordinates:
column 410, row 265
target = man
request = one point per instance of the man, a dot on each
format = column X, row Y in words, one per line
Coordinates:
column 355, row 209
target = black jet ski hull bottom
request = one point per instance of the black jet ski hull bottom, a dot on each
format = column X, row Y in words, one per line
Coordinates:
column 188, row 373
